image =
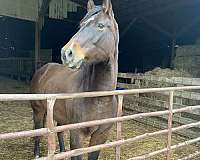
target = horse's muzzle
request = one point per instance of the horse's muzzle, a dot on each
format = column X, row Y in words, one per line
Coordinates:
column 70, row 59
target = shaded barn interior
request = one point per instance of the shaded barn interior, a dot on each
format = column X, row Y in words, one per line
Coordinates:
column 150, row 31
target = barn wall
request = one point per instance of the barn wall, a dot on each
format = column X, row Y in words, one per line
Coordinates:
column 188, row 59
column 23, row 67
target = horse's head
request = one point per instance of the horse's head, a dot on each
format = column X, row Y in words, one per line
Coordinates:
column 97, row 39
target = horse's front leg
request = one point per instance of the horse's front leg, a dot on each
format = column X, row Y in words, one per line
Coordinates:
column 61, row 140
column 39, row 120
column 76, row 141
column 98, row 137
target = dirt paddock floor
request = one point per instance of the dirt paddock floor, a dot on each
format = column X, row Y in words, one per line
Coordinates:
column 17, row 116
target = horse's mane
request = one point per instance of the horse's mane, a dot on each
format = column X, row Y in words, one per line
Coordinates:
column 96, row 10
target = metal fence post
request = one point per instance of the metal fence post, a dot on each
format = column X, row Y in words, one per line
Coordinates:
column 170, row 122
column 50, row 126
column 119, row 125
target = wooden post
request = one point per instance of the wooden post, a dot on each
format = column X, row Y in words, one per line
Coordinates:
column 37, row 37
column 137, row 82
column 37, row 43
column 170, row 121
column 179, row 100
column 173, row 53
column 119, row 125
column 50, row 126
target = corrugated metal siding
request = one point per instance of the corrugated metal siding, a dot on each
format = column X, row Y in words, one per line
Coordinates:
column 23, row 9
column 28, row 9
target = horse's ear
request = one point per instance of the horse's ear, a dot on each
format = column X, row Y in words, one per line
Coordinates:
column 107, row 6
column 90, row 5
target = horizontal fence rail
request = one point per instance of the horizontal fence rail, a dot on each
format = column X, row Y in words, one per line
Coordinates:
column 44, row 131
column 27, row 97
column 51, row 130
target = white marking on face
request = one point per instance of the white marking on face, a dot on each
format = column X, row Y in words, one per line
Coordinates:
column 89, row 20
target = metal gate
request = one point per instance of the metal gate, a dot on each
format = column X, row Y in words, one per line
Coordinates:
column 51, row 130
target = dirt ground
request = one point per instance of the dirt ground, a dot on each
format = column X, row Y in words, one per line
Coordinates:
column 17, row 116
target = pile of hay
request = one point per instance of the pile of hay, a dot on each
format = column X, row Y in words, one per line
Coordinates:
column 167, row 73
column 187, row 59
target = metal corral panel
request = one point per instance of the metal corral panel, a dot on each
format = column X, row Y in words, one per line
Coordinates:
column 23, row 9
column 58, row 9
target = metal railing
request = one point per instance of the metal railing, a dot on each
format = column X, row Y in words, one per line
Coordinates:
column 51, row 130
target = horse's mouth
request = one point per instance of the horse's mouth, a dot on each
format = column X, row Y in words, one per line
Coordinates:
column 74, row 64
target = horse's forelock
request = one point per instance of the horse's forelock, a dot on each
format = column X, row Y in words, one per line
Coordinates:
column 91, row 14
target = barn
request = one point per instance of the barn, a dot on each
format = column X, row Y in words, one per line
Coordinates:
column 158, row 80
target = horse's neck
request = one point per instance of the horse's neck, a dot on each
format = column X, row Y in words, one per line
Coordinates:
column 105, row 78
column 100, row 77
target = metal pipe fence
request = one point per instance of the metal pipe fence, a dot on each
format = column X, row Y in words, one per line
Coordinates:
column 51, row 130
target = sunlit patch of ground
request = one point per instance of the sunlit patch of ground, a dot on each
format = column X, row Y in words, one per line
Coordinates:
column 17, row 116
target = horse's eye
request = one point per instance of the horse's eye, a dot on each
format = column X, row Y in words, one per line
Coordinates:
column 100, row 26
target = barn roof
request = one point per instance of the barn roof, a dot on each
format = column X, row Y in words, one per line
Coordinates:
column 169, row 17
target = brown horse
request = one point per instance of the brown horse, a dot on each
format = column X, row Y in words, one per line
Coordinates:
column 90, row 63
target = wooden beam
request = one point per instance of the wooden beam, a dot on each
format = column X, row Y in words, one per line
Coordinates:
column 44, row 7
column 38, row 26
column 157, row 27
column 128, row 27
column 37, row 43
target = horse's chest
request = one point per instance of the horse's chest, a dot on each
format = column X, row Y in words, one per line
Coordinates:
column 96, row 108
column 100, row 106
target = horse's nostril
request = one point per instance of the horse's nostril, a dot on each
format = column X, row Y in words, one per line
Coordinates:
column 70, row 53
